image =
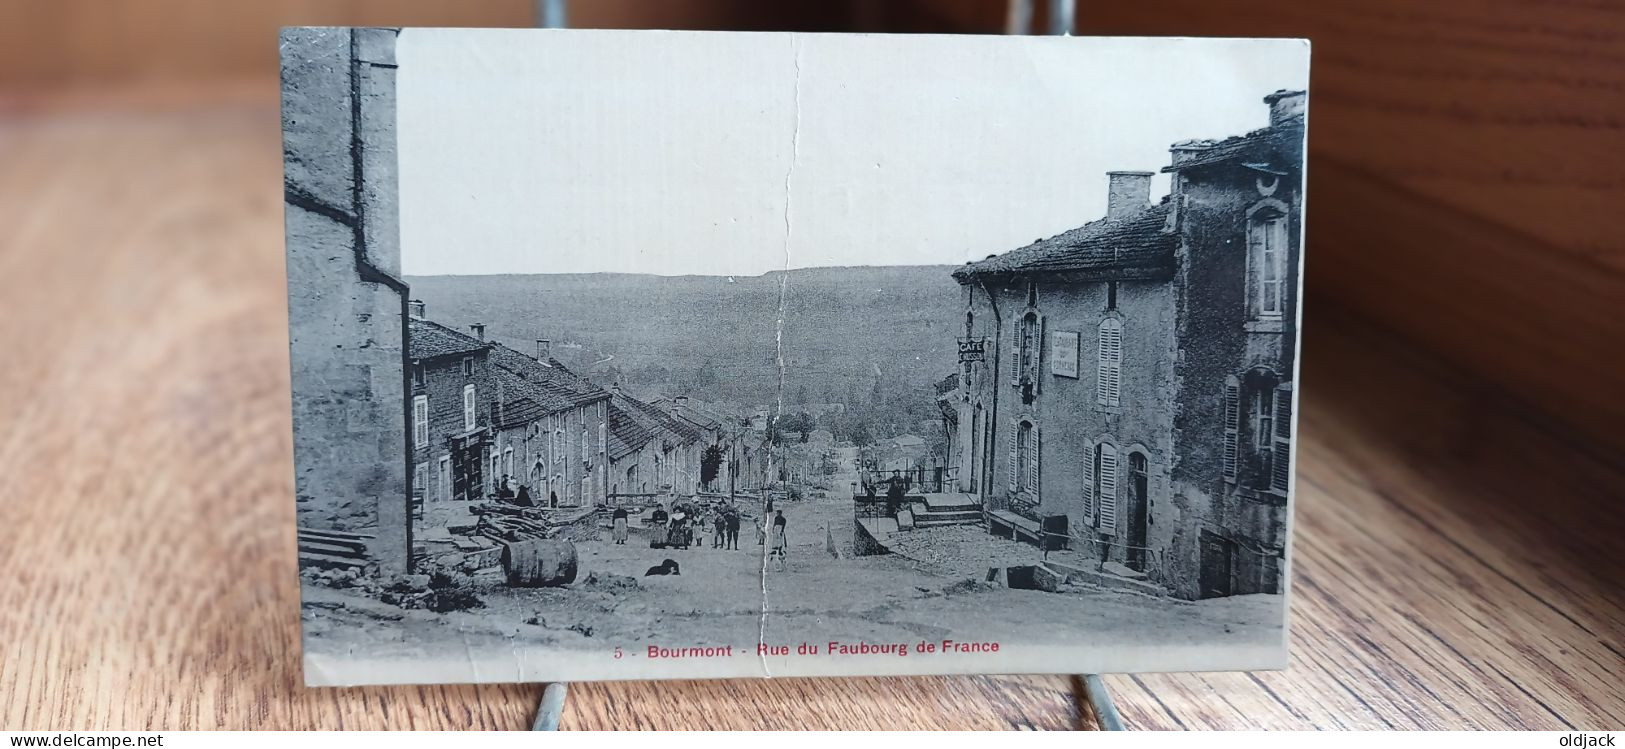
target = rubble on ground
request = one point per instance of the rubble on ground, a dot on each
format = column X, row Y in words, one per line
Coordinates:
column 961, row 550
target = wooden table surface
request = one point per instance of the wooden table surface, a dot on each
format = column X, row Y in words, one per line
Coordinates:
column 1456, row 557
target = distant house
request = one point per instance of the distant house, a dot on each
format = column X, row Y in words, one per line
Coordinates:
column 821, row 437
column 551, row 428
column 482, row 411
column 654, row 452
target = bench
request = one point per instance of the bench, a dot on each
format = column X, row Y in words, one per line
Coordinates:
column 1049, row 535
column 1012, row 526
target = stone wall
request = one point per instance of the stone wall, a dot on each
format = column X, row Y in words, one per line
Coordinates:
column 346, row 302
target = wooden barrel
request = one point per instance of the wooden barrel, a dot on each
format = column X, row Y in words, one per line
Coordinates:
column 539, row 562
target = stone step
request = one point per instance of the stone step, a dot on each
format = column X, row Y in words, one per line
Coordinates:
column 1076, row 574
column 948, row 515
column 328, row 561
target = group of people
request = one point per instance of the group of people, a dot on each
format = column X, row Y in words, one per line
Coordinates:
column 721, row 521
column 515, row 493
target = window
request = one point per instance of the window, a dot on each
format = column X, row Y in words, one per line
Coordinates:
column 468, row 408
column 1024, row 459
column 420, row 481
column 1026, row 349
column 507, row 463
column 417, row 374
column 1109, row 363
column 420, row 421
column 1257, row 430
column 1029, row 343
column 1266, row 264
column 443, row 482
column 586, row 489
column 1260, row 412
column 468, row 366
column 603, row 438
column 586, row 456
column 1111, row 295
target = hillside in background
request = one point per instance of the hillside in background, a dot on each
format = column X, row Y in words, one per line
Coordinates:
column 851, row 335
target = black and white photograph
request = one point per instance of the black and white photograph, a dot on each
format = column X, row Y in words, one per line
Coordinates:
column 643, row 354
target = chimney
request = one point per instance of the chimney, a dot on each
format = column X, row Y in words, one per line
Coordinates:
column 544, row 350
column 415, row 308
column 1127, row 193
column 616, row 387
column 479, row 330
column 1286, row 105
column 680, row 402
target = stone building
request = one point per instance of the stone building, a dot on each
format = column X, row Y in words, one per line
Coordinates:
column 552, row 429
column 346, row 299
column 1134, row 375
column 452, row 384
column 654, row 452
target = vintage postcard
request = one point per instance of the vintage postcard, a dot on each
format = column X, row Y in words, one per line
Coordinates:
column 627, row 355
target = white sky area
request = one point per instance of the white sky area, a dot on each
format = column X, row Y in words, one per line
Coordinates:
column 676, row 153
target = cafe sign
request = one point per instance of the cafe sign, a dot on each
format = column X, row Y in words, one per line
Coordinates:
column 972, row 349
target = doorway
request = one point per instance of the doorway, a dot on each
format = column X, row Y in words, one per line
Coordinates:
column 1218, row 555
column 1139, row 511
column 975, row 468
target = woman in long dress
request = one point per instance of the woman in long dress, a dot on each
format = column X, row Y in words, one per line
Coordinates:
column 781, row 547
column 618, row 525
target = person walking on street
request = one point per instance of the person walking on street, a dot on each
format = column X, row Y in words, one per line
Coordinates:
column 781, row 546
column 719, row 528
column 731, row 520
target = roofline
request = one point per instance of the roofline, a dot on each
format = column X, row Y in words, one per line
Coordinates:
column 966, row 276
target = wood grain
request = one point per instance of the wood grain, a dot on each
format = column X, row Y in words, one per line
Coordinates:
column 1465, row 169
column 1456, row 548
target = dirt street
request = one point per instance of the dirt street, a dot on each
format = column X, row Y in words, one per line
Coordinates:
column 728, row 597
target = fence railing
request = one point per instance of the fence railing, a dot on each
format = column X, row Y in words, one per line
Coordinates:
column 920, row 480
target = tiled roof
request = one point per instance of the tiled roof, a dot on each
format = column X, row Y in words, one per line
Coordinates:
column 626, row 434
column 693, row 412
column 555, row 388
column 518, row 412
column 427, row 340
column 1278, row 148
column 660, row 422
column 1138, row 246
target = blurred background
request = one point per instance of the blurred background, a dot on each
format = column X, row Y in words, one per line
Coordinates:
column 1463, row 391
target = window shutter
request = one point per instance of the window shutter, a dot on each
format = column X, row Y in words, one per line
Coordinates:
column 1033, row 459
column 1281, row 461
column 1015, row 352
column 1109, row 362
column 1255, row 269
column 1089, row 482
column 1015, row 457
column 468, row 407
column 1115, row 372
column 1108, row 489
column 1232, row 426
column 1040, row 337
column 420, row 421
